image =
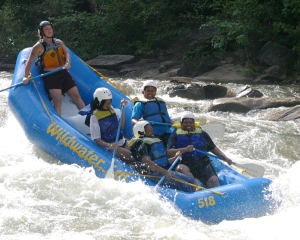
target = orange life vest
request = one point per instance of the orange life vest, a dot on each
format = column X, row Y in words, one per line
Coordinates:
column 53, row 55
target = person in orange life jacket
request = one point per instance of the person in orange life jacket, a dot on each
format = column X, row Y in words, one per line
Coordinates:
column 52, row 53
column 188, row 137
column 151, row 153
column 104, row 124
column 152, row 108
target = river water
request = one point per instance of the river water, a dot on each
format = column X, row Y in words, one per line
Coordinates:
column 41, row 198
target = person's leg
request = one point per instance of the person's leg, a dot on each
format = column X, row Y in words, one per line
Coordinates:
column 184, row 169
column 75, row 96
column 213, row 181
column 57, row 99
column 183, row 184
column 208, row 175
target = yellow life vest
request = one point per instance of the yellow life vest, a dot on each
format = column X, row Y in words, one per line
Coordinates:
column 178, row 125
column 180, row 131
column 103, row 114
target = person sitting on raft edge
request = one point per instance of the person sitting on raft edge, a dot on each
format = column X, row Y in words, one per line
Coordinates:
column 188, row 138
column 103, row 121
column 154, row 110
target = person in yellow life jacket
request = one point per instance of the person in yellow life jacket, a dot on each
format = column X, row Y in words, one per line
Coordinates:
column 104, row 124
column 188, row 137
column 52, row 54
column 150, row 152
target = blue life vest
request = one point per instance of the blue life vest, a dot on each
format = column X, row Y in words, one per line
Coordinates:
column 157, row 151
column 195, row 138
column 108, row 123
column 155, row 110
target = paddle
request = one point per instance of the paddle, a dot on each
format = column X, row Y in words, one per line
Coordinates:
column 214, row 130
column 41, row 75
column 252, row 169
column 110, row 171
column 170, row 168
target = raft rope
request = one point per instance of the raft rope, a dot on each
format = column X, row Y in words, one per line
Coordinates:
column 133, row 100
column 45, row 106
column 102, row 76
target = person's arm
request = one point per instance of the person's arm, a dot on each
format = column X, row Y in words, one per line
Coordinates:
column 171, row 146
column 137, row 112
column 222, row 155
column 140, row 153
column 37, row 49
column 172, row 159
column 66, row 53
column 154, row 167
column 211, row 147
column 173, row 151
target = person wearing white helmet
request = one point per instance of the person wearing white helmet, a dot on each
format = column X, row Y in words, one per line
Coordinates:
column 154, row 110
column 151, row 153
column 104, row 124
column 52, row 54
column 188, row 137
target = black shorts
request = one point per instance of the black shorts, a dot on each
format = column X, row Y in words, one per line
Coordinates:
column 59, row 80
column 201, row 169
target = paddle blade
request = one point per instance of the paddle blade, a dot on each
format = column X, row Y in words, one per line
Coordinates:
column 214, row 130
column 110, row 171
column 252, row 169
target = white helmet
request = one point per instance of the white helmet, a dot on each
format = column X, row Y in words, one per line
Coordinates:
column 102, row 94
column 187, row 115
column 149, row 83
column 139, row 128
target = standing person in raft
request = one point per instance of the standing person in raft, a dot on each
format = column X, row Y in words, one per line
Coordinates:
column 152, row 109
column 188, row 137
column 104, row 124
column 52, row 53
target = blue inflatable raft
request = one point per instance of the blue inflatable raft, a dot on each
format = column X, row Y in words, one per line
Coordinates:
column 67, row 138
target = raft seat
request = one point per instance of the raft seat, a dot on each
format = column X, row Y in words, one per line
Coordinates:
column 69, row 112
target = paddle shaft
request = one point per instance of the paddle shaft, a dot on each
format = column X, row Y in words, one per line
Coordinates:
column 258, row 168
column 41, row 75
column 170, row 168
column 110, row 171
column 119, row 129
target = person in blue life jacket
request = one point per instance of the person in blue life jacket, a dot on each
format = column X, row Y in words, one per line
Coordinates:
column 154, row 109
column 104, row 122
column 150, row 152
column 52, row 54
column 188, row 137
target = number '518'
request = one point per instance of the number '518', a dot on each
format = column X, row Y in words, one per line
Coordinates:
column 206, row 202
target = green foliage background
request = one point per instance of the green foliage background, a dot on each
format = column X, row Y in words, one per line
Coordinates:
column 151, row 28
